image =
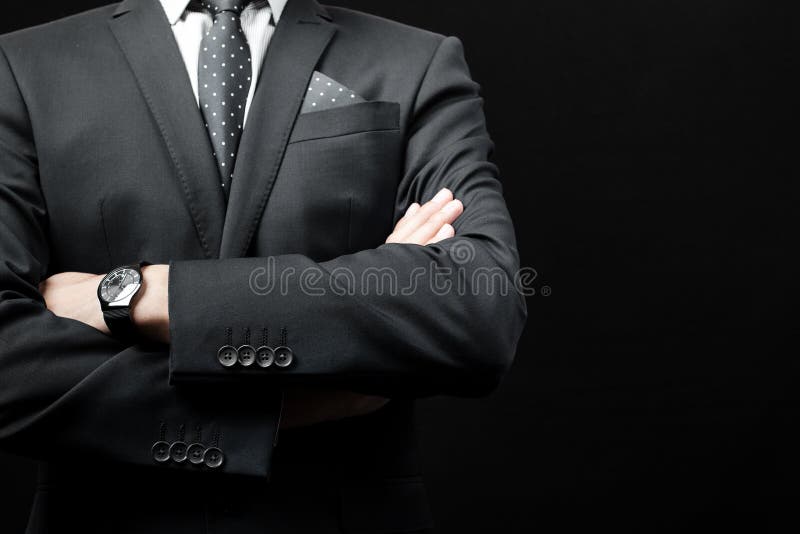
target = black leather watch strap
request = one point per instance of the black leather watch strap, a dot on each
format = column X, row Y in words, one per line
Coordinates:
column 120, row 324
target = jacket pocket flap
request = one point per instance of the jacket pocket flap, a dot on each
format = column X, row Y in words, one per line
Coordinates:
column 360, row 117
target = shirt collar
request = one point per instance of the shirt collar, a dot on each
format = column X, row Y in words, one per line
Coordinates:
column 174, row 9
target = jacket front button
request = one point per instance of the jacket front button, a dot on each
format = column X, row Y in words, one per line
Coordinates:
column 195, row 453
column 283, row 356
column 160, row 451
column 213, row 457
column 247, row 355
column 177, row 451
column 227, row 355
column 265, row 356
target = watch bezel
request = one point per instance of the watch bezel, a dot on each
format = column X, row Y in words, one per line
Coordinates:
column 125, row 301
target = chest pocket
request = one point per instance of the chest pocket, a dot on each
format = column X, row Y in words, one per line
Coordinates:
column 346, row 120
column 336, row 188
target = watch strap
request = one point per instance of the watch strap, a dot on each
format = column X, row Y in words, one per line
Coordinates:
column 119, row 323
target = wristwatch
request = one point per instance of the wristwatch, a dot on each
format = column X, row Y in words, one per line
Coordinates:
column 116, row 292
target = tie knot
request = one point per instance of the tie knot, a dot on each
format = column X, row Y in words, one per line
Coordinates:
column 218, row 6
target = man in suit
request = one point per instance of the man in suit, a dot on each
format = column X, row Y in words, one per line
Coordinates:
column 202, row 319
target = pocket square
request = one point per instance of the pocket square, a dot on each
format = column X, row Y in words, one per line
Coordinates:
column 326, row 93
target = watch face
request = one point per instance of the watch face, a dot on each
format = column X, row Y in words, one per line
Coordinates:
column 120, row 284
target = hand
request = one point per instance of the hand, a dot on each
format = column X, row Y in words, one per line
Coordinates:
column 429, row 223
column 420, row 225
column 305, row 406
column 73, row 295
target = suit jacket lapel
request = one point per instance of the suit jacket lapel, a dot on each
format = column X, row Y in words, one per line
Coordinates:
column 144, row 34
column 300, row 38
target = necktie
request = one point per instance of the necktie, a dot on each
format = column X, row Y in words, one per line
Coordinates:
column 224, row 73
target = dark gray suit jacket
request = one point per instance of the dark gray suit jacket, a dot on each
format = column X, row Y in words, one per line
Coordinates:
column 104, row 160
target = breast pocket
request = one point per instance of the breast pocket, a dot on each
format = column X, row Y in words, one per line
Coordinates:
column 345, row 120
column 337, row 183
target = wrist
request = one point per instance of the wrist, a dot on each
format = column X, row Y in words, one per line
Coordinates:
column 95, row 319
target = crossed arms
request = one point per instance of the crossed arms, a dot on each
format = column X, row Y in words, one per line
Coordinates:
column 88, row 393
column 73, row 295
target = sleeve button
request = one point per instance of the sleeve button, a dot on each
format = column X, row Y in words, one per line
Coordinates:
column 247, row 355
column 213, row 457
column 283, row 356
column 265, row 356
column 160, row 451
column 195, row 453
column 177, row 451
column 227, row 355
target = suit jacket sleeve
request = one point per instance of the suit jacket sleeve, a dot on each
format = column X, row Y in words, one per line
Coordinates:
column 450, row 334
column 68, row 391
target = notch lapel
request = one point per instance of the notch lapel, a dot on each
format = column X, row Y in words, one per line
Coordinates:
column 144, row 34
column 301, row 36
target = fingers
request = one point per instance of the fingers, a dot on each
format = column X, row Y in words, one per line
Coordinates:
column 404, row 220
column 444, row 232
column 430, row 228
column 412, row 209
column 425, row 212
column 429, row 223
column 419, row 217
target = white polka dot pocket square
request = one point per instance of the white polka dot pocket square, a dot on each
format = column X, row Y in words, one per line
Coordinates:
column 326, row 93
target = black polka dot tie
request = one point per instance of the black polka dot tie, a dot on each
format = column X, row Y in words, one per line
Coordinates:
column 224, row 73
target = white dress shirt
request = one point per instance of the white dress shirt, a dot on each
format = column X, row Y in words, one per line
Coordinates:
column 258, row 23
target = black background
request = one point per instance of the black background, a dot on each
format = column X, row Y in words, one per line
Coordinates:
column 645, row 149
